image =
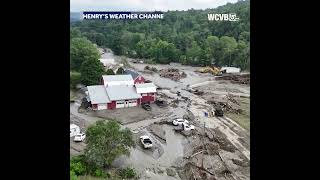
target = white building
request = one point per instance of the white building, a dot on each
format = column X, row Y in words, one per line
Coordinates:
column 115, row 80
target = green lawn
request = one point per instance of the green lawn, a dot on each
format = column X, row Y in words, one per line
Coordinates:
column 242, row 119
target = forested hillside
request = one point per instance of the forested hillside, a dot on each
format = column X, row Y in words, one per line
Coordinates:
column 182, row 36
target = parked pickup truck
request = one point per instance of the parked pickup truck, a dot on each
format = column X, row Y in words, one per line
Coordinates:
column 177, row 122
column 146, row 107
column 187, row 127
column 184, row 127
column 79, row 137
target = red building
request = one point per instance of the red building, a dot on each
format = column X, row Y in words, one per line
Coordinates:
column 112, row 97
column 147, row 92
column 121, row 91
column 137, row 78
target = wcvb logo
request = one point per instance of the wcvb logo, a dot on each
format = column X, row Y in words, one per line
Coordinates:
column 223, row 17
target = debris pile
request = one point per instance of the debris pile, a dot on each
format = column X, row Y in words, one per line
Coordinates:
column 161, row 103
column 173, row 74
column 174, row 103
column 151, row 68
column 228, row 103
column 197, row 92
column 204, row 159
column 235, row 78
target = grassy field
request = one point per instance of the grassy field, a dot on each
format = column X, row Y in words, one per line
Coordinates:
column 242, row 119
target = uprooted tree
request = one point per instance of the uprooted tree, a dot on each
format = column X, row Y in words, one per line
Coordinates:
column 105, row 142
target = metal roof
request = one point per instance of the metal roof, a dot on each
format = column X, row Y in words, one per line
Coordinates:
column 122, row 92
column 132, row 73
column 122, row 77
column 146, row 88
column 98, row 94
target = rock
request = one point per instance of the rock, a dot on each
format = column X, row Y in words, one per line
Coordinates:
column 160, row 170
column 186, row 117
column 241, row 163
column 171, row 172
column 209, row 135
column 186, row 133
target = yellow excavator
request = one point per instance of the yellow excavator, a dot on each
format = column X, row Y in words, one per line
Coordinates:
column 210, row 69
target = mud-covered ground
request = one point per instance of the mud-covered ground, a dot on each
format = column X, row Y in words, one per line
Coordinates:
column 132, row 114
column 219, row 143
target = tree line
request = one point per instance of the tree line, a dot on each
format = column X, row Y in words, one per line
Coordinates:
column 85, row 66
column 182, row 36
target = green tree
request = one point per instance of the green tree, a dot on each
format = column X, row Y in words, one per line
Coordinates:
column 91, row 72
column 164, row 52
column 244, row 36
column 110, row 72
column 171, row 39
column 242, row 57
column 77, row 165
column 105, row 142
column 75, row 33
column 75, row 78
column 228, row 47
column 82, row 50
column 193, row 53
column 127, row 173
column 213, row 45
column 120, row 70
column 95, row 37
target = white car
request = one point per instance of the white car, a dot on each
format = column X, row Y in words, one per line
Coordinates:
column 79, row 137
column 187, row 127
column 146, row 141
column 177, row 122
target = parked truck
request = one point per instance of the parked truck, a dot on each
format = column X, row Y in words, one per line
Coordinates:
column 74, row 130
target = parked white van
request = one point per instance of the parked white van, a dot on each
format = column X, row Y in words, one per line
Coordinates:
column 74, row 130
